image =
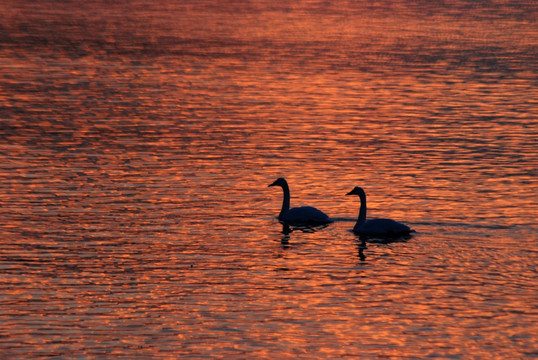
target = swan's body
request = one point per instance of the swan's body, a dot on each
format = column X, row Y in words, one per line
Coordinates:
column 304, row 215
column 376, row 227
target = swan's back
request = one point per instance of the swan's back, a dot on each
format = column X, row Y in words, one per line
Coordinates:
column 305, row 215
column 383, row 227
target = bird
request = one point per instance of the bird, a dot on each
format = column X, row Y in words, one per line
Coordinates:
column 304, row 215
column 383, row 228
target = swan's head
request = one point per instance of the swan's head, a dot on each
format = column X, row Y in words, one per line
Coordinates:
column 357, row 191
column 279, row 182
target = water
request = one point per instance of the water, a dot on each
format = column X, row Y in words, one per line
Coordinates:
column 137, row 140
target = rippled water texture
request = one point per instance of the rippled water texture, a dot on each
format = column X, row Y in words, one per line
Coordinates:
column 137, row 140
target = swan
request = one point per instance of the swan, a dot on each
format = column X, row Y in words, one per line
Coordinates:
column 376, row 227
column 304, row 215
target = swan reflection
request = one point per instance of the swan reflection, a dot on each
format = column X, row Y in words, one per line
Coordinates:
column 362, row 240
column 287, row 229
column 361, row 246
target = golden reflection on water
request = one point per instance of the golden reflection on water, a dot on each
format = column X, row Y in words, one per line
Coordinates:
column 137, row 146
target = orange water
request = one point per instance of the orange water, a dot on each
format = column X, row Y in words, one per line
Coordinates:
column 137, row 140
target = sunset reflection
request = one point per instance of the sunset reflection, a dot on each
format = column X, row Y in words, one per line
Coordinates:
column 137, row 142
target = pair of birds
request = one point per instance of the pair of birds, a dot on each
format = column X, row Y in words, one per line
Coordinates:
column 312, row 216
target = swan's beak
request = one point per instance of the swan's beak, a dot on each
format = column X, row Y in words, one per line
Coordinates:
column 273, row 184
column 352, row 192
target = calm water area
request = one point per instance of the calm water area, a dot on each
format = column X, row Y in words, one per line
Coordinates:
column 138, row 139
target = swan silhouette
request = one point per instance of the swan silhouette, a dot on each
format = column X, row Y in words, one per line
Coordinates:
column 304, row 215
column 376, row 227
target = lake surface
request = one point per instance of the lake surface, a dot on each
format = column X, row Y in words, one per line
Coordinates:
column 138, row 138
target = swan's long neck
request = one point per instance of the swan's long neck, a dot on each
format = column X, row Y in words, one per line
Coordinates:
column 362, row 212
column 286, row 202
